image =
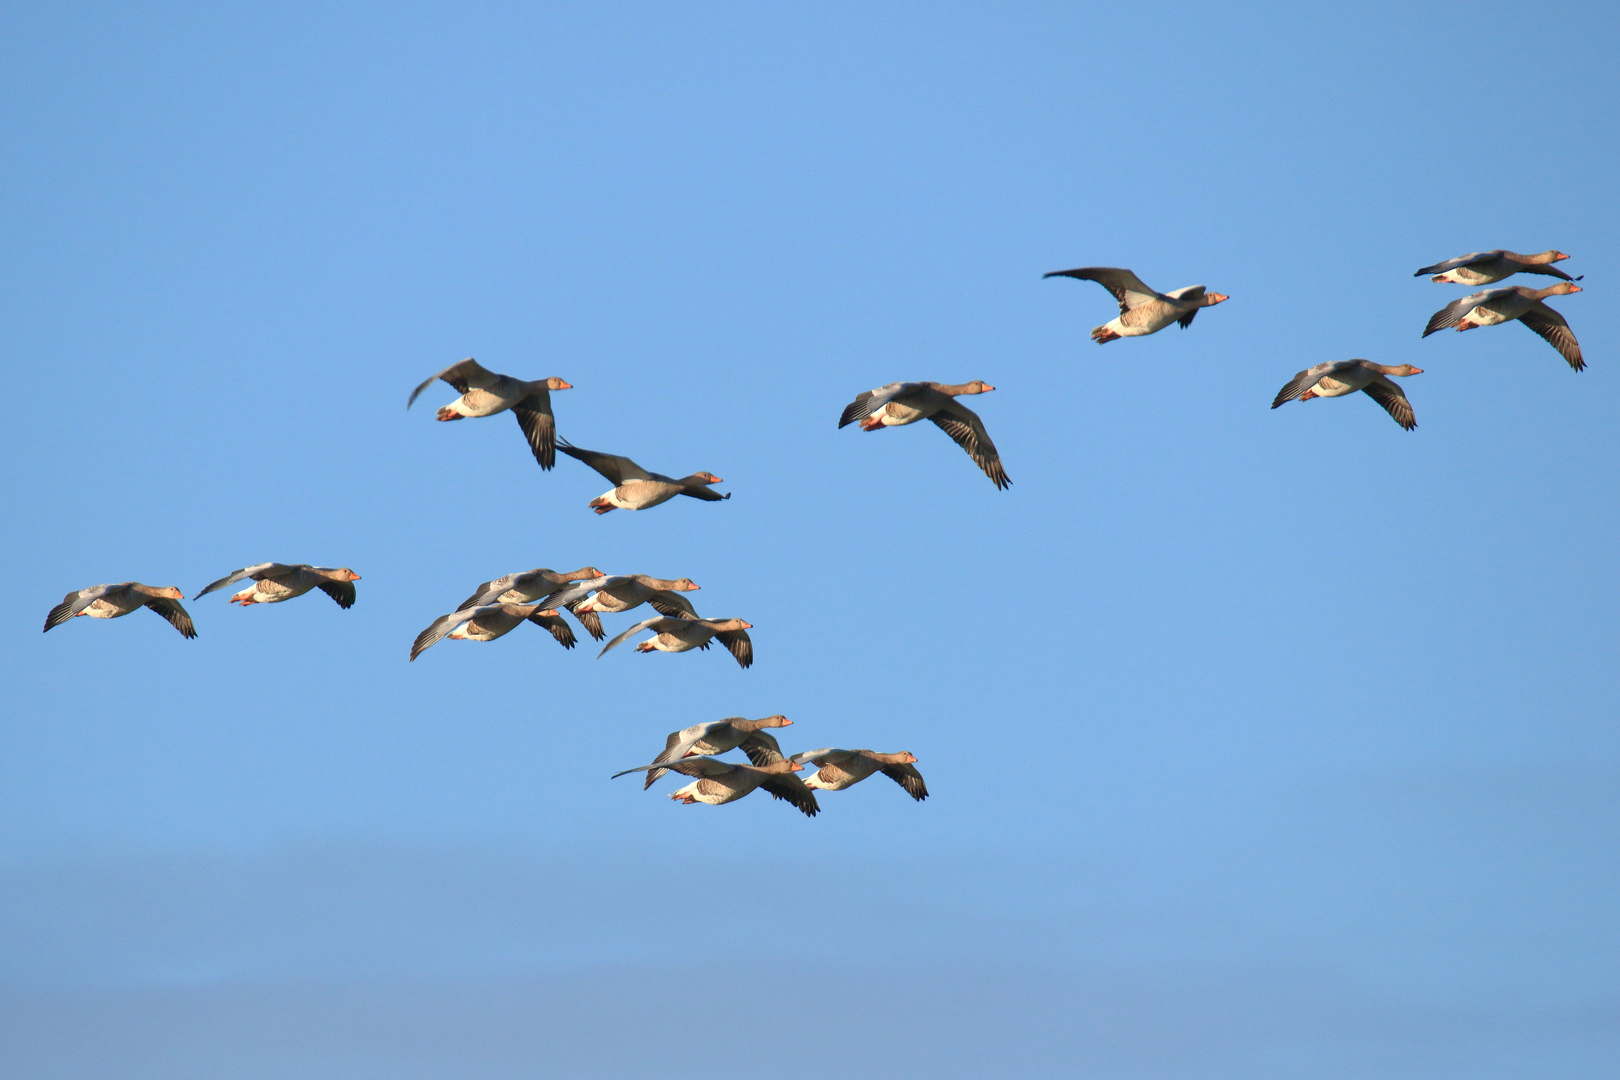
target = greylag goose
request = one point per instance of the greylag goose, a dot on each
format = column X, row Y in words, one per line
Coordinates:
column 526, row 587
column 111, row 601
column 716, row 737
column 275, row 582
column 490, row 621
column 1486, row 267
column 839, row 769
column 1141, row 310
column 718, row 782
column 898, row 404
column 1495, row 306
column 683, row 635
column 621, row 592
column 1337, row 378
column 484, row 393
column 634, row 488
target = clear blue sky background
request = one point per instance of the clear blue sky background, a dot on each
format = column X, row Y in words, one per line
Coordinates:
column 1263, row 744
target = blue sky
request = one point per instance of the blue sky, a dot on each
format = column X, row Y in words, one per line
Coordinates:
column 1261, row 743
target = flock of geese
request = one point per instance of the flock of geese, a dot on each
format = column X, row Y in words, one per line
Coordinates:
column 538, row 596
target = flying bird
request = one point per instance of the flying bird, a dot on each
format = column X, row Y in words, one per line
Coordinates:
column 1485, row 267
column 1141, row 310
column 634, row 488
column 484, row 393
column 1495, row 306
column 839, row 769
column 898, row 404
column 490, row 621
column 275, row 582
column 716, row 737
column 1337, row 378
column 718, row 782
column 111, row 601
column 684, row 635
column 621, row 592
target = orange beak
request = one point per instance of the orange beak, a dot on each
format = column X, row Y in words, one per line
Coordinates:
column 353, row 576
column 1219, row 297
column 565, row 385
column 748, row 626
column 1576, row 288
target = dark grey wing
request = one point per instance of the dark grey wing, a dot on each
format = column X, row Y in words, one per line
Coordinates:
column 489, row 591
column 75, row 602
column 672, row 750
column 1191, row 292
column 1550, row 271
column 1126, row 287
column 441, row 626
column 1552, row 327
column 617, row 469
column 463, row 375
column 869, row 401
column 257, row 572
column 740, row 644
column 1459, row 261
column 699, row 765
column 672, row 604
column 707, row 494
column 644, row 624
column 590, row 620
column 1453, row 313
column 559, row 629
column 909, row 778
column 964, row 426
column 1304, row 381
column 790, row 788
column 762, row 748
column 341, row 591
column 171, row 610
column 1393, row 399
column 539, row 426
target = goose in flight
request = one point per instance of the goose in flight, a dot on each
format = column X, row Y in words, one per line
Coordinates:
column 1337, row 378
column 484, row 393
column 634, row 488
column 684, row 635
column 490, row 621
column 1486, row 267
column 111, row 601
column 839, row 769
column 716, row 737
column 274, row 582
column 1495, row 306
column 718, row 782
column 898, row 404
column 621, row 592
column 1141, row 310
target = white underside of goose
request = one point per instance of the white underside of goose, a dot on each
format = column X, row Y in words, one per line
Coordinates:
column 477, row 403
column 1481, row 316
column 693, row 793
column 641, row 495
column 665, row 644
column 1117, row 326
column 260, row 595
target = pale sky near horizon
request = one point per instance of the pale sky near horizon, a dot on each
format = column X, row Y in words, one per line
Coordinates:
column 1261, row 743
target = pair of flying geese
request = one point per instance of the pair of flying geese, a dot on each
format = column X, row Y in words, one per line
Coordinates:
column 272, row 583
